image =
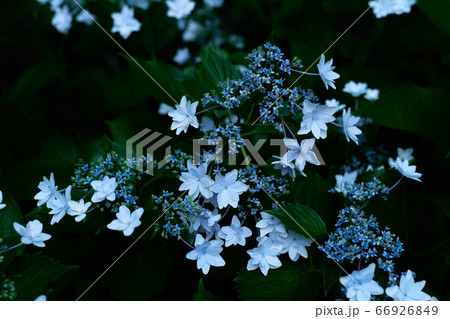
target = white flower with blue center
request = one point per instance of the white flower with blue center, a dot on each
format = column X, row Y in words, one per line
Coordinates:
column 360, row 284
column 234, row 234
column 295, row 245
column 408, row 289
column 126, row 221
column 1, row 200
column 183, row 116
column 335, row 103
column 265, row 256
column 207, row 253
column 179, row 9
column 355, row 89
column 124, row 22
column 286, row 166
column 78, row 209
column 205, row 221
column 302, row 153
column 105, row 189
column 346, row 179
column 372, row 94
column 62, row 20
column 59, row 205
column 32, row 233
column 315, row 118
column 196, row 181
column 228, row 189
column 48, row 190
column 269, row 224
column 349, row 122
column 326, row 72
column 409, row 171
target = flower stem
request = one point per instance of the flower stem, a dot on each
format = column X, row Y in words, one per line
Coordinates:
column 335, row 124
column 208, row 109
column 10, row 248
column 184, row 241
column 307, row 73
column 396, row 183
column 293, row 135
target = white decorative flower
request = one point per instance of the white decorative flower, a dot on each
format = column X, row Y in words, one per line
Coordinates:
column 142, row 4
column 228, row 189
column 182, row 56
column 214, row 3
column 372, row 94
column 286, row 166
column 32, row 233
column 183, row 116
column 315, row 118
column 124, row 22
column 355, row 89
column 59, row 205
column 360, row 284
column 403, row 6
column 165, row 109
column 234, row 234
column 196, row 181
column 326, row 72
column 382, row 8
column 48, row 190
column 295, row 245
column 205, row 220
column 405, row 154
column 207, row 124
column 342, row 180
column 126, row 221
column 85, row 17
column 104, row 189
column 54, row 4
column 335, row 103
column 408, row 289
column 62, row 20
column 1, row 200
column 349, row 122
column 179, row 9
column 269, row 224
column 192, row 31
column 409, row 171
column 302, row 153
column 41, row 298
column 207, row 253
column 265, row 256
column 78, row 209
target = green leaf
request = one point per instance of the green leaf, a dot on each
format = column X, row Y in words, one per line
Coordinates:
column 301, row 219
column 123, row 92
column 33, row 273
column 290, row 282
column 216, row 67
column 442, row 202
column 330, row 275
column 203, row 294
column 438, row 12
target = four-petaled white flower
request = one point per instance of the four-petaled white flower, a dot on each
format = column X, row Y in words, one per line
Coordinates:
column 315, row 118
column 1, row 200
column 48, row 190
column 265, row 256
column 360, row 284
column 409, row 171
column 59, row 205
column 183, row 116
column 372, row 94
column 408, row 289
column 32, row 233
column 326, row 72
column 124, row 22
column 349, row 122
column 269, row 224
column 126, row 221
column 234, row 234
column 335, row 103
column 182, row 56
column 180, row 9
column 286, row 166
column 405, row 154
column 342, row 180
column 207, row 253
column 104, row 189
column 228, row 189
column 62, row 20
column 196, row 181
column 295, row 245
column 78, row 209
column 355, row 89
column 302, row 153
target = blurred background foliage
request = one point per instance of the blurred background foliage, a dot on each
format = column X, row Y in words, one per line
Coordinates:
column 61, row 96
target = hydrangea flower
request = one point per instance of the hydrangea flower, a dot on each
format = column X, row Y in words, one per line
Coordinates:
column 301, row 153
column 142, row 4
column 269, row 224
column 104, row 189
column 295, row 245
column 196, row 181
column 234, row 234
column 85, row 17
column 182, row 56
column 48, row 190
column 355, row 89
column 265, row 256
column 342, row 180
column 192, row 31
column 315, row 118
column 41, row 298
column 360, row 284
column 62, row 20
column 326, row 72
column 124, row 22
column 59, row 205
column 335, row 103
column 78, row 209
column 408, row 289
column 1, row 200
column 349, row 122
column 372, row 94
column 286, row 166
column 179, row 9
column 405, row 154
column 409, row 171
column 206, row 221
column 383, row 8
column 126, row 221
column 164, row 109
column 32, row 233
column 214, row 3
column 228, row 189
column 207, row 253
column 183, row 116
